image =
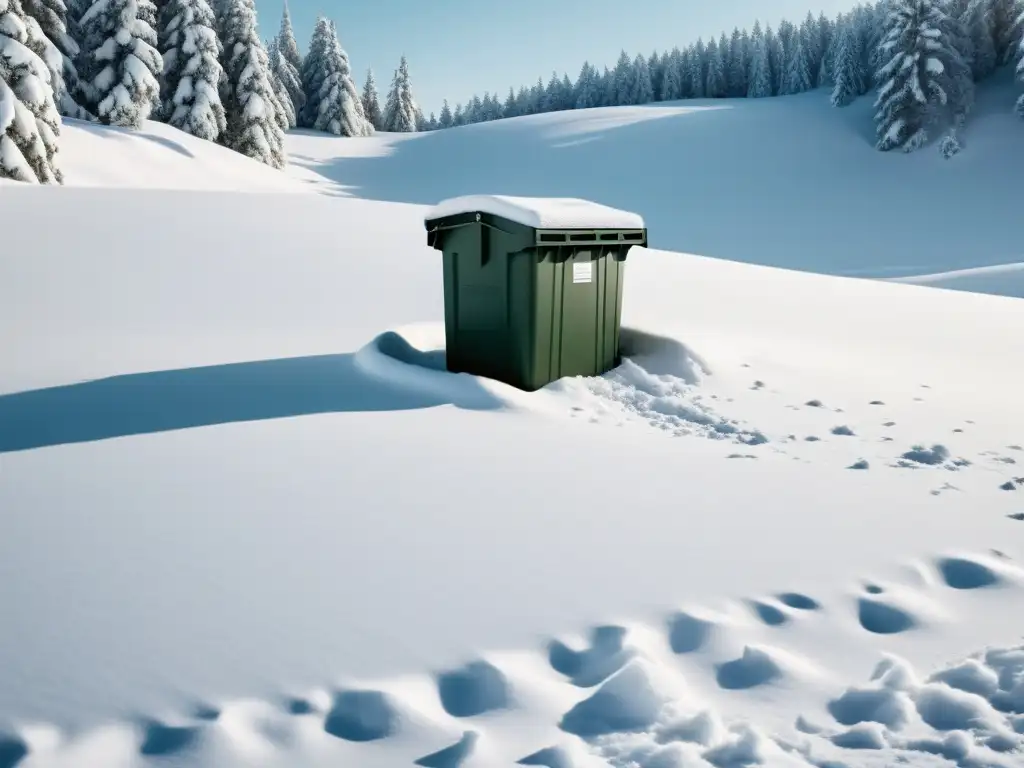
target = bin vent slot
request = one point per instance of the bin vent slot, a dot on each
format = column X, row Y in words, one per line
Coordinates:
column 557, row 237
column 633, row 236
column 610, row 236
column 583, row 237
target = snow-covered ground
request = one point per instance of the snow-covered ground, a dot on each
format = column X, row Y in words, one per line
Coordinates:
column 248, row 520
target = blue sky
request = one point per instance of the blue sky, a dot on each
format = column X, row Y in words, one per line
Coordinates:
column 457, row 48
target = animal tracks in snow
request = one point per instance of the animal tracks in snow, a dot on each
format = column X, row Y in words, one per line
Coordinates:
column 625, row 695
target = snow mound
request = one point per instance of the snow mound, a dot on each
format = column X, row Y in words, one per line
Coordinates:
column 159, row 157
column 412, row 358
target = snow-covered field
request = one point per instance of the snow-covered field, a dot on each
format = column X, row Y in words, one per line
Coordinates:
column 248, row 520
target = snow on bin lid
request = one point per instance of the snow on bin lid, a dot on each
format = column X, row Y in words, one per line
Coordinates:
column 540, row 212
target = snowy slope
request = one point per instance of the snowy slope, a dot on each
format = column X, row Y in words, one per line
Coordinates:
column 248, row 520
column 789, row 182
column 160, row 157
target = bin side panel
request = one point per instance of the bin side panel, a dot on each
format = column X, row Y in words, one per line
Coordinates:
column 478, row 314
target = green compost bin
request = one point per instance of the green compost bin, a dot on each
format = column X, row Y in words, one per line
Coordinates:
column 532, row 286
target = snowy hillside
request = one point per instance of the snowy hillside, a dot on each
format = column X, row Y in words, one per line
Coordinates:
column 248, row 520
column 789, row 181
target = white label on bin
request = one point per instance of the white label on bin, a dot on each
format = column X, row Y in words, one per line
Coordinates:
column 583, row 272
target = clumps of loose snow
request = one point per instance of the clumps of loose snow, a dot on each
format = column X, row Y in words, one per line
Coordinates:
column 861, row 736
column 860, row 464
column 659, row 384
column 630, row 700
column 966, row 704
column 843, row 431
column 884, row 700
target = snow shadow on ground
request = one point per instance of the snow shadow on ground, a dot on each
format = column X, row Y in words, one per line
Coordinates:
column 384, row 376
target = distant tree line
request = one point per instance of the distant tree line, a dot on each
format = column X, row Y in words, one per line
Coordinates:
column 923, row 58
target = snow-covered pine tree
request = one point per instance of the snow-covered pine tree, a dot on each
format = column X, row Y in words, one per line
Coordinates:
column 872, row 29
column 760, row 82
column 739, row 51
column 959, row 64
column 191, row 50
column 671, row 84
column 812, row 45
column 371, row 102
column 312, row 72
column 552, row 101
column 338, row 108
column 828, row 32
column 714, row 84
column 250, row 104
column 522, row 101
column 847, row 72
column 776, row 60
column 29, row 120
column 623, row 81
column 119, row 63
column 286, row 108
column 458, row 116
column 976, row 18
column 400, row 111
column 698, row 70
column 798, row 68
column 290, row 67
column 568, row 92
column 52, row 17
column 431, row 122
column 1006, row 29
column 1019, row 106
column 511, row 107
column 608, row 88
column 785, row 35
column 445, row 120
column 586, row 92
column 655, row 65
column 641, row 91
column 915, row 80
